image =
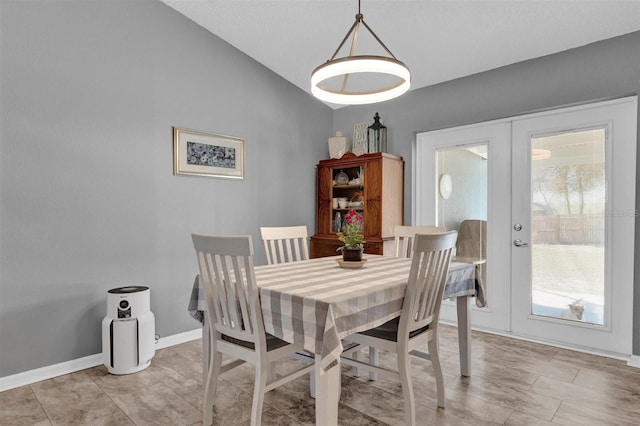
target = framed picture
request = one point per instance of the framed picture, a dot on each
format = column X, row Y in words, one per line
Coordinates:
column 207, row 154
column 359, row 145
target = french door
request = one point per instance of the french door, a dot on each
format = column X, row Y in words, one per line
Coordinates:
column 572, row 228
column 476, row 159
column 560, row 210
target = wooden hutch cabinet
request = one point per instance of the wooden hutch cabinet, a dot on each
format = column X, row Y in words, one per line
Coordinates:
column 373, row 184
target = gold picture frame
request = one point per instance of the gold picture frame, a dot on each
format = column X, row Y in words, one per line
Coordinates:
column 197, row 153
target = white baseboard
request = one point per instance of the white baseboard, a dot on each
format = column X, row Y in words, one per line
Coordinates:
column 634, row 361
column 50, row 371
column 176, row 339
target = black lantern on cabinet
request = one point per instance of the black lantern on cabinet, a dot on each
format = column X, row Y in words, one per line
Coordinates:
column 377, row 136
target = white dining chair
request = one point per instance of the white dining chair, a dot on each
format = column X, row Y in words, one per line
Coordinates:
column 285, row 244
column 418, row 321
column 403, row 237
column 235, row 318
column 403, row 247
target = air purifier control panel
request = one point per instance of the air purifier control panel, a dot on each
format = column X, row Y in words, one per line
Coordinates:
column 124, row 309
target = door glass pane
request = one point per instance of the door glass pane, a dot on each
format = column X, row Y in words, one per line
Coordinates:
column 567, row 226
column 462, row 199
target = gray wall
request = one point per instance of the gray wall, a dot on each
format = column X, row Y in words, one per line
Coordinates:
column 88, row 201
column 89, row 92
column 607, row 69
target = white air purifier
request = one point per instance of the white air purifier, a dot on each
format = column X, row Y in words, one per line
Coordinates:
column 128, row 330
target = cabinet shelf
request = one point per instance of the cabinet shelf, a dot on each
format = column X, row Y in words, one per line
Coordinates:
column 358, row 186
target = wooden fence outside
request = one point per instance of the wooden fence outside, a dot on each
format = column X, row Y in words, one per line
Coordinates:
column 568, row 229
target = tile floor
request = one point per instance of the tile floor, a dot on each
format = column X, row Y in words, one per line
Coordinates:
column 513, row 382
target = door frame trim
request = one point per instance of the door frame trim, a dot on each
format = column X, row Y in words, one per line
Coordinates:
column 416, row 174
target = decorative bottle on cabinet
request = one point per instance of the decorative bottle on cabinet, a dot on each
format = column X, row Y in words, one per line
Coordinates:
column 374, row 187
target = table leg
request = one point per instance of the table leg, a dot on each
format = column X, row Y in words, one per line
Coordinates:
column 373, row 360
column 327, row 394
column 464, row 334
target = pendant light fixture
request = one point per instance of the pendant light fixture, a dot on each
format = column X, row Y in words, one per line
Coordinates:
column 355, row 64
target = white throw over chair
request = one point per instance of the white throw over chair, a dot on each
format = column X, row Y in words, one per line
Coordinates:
column 418, row 321
column 403, row 237
column 234, row 315
column 285, row 244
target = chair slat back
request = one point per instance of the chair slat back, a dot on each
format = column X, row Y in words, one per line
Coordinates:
column 429, row 267
column 285, row 244
column 403, row 237
column 228, row 278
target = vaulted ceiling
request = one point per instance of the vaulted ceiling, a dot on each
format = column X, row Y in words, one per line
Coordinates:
column 439, row 40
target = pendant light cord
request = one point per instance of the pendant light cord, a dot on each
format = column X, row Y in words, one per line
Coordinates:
column 356, row 26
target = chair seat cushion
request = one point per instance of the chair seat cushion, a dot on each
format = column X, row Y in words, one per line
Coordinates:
column 272, row 342
column 389, row 331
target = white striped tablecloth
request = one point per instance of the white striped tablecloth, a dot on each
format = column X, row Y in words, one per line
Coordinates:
column 315, row 303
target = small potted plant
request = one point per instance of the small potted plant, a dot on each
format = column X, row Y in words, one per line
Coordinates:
column 352, row 237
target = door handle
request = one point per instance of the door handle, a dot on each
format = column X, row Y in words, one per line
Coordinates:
column 518, row 243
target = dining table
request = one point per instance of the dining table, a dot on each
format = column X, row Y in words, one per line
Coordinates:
column 316, row 303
